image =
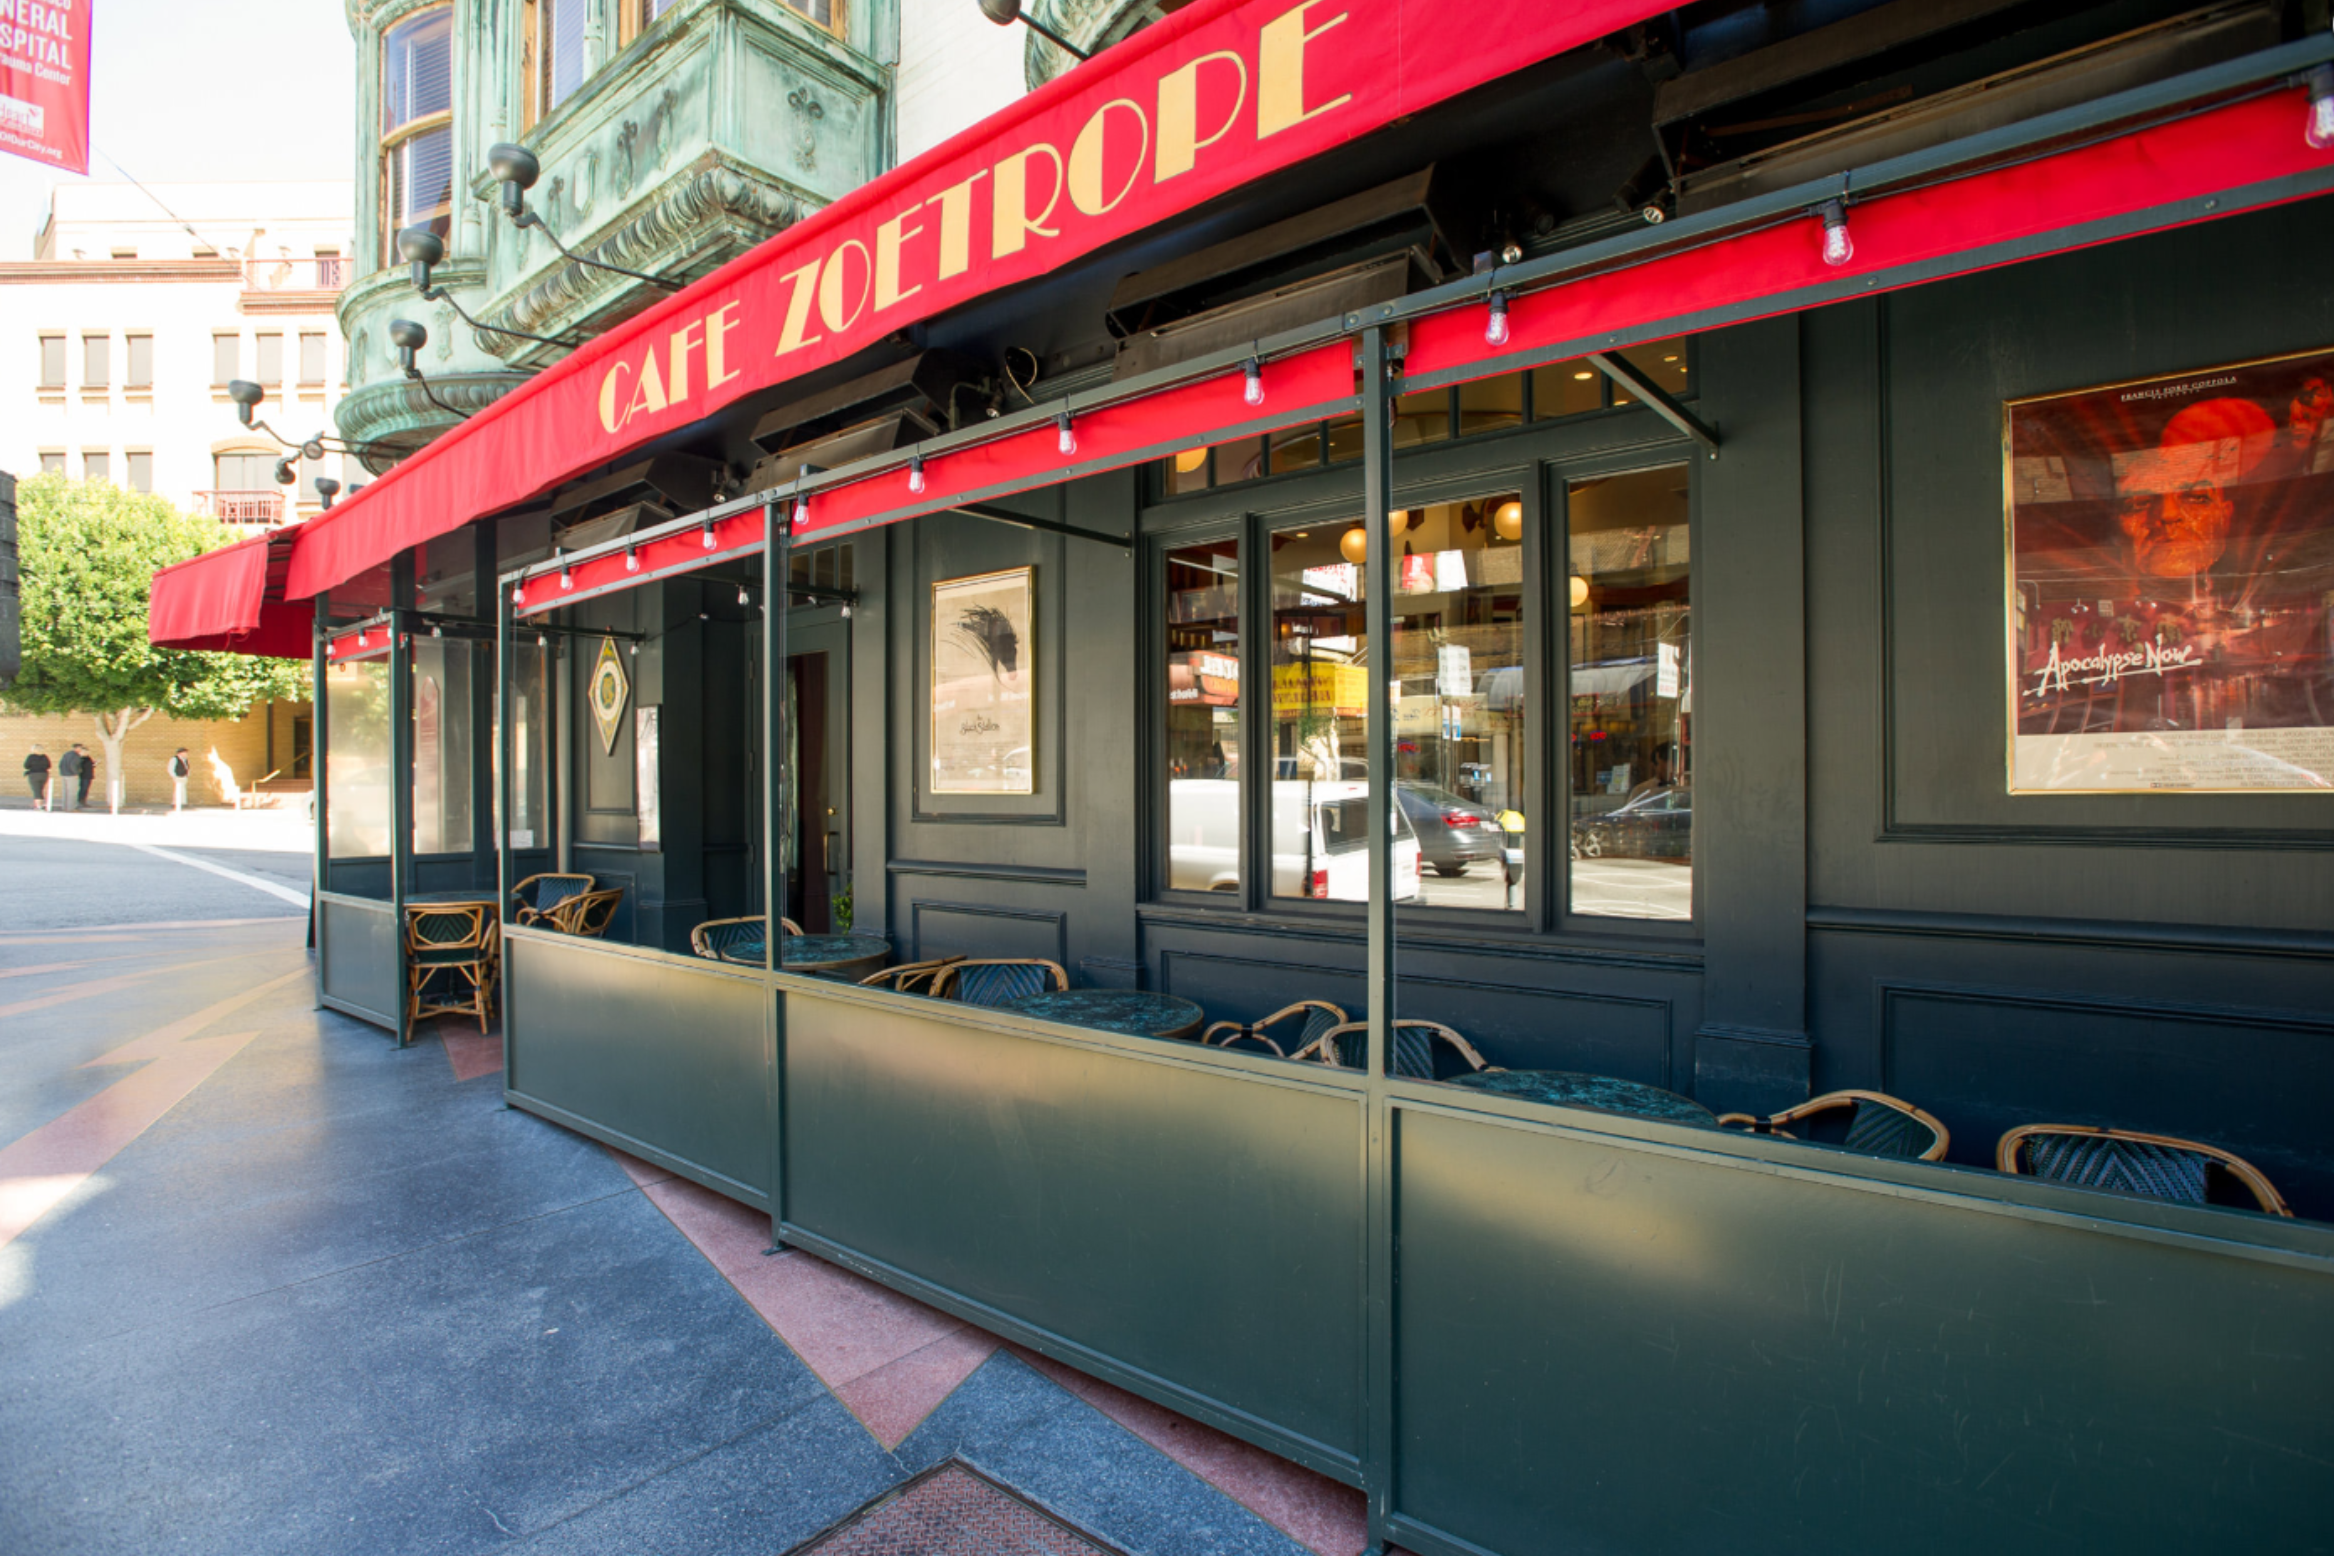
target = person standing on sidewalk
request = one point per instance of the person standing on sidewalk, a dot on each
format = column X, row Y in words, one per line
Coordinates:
column 68, row 769
column 179, row 769
column 36, row 774
column 88, row 771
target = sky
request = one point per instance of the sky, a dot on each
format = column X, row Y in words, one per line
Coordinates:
column 186, row 91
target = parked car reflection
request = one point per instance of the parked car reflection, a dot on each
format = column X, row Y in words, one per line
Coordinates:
column 1320, row 839
column 1658, row 824
column 1453, row 832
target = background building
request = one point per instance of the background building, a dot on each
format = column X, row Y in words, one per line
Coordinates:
column 138, row 306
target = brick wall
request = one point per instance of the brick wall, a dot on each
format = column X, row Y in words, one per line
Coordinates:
column 242, row 744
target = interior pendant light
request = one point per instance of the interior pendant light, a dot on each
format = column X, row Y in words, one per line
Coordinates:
column 1579, row 591
column 1838, row 247
column 1507, row 521
column 916, row 474
column 1068, row 441
column 1354, row 545
column 2320, row 131
column 1495, row 328
column 1253, row 392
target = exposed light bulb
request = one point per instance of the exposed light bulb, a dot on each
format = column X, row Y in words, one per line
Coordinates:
column 632, row 559
column 1838, row 247
column 916, row 474
column 437, row 631
column 635, row 648
column 361, row 640
column 1068, row 441
column 802, row 513
column 1495, row 328
column 2320, row 130
column 566, row 574
column 541, row 641
column 519, row 592
column 846, row 610
column 1254, row 392
column 709, row 534
column 741, row 595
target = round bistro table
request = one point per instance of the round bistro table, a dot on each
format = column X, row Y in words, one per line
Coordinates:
column 850, row 957
column 1116, row 1010
column 1603, row 1093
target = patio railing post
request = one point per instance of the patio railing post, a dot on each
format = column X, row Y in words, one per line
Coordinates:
column 504, row 639
column 1377, row 409
column 320, row 632
column 777, row 538
column 400, row 804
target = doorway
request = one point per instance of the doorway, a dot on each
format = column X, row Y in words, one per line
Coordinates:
column 818, row 872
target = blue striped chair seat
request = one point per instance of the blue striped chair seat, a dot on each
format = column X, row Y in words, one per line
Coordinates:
column 2127, row 1166
column 998, row 983
column 1877, row 1130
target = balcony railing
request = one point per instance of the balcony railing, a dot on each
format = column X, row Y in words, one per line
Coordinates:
column 264, row 506
column 325, row 273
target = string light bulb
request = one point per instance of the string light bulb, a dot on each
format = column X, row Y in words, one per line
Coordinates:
column 802, row 513
column 566, row 573
column 437, row 631
column 361, row 638
column 2320, row 130
column 519, row 592
column 916, row 474
column 1838, row 247
column 632, row 559
column 709, row 534
column 1495, row 328
column 741, row 595
column 1068, row 441
column 1253, row 392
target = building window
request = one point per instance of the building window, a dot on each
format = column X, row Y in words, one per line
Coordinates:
column 312, row 360
column 226, row 359
column 331, row 269
column 125, row 253
column 1203, row 716
column 417, row 127
column 52, row 461
column 271, row 360
column 96, row 465
column 1632, row 695
column 244, row 472
column 827, row 13
column 96, row 363
column 140, row 352
column 140, row 469
column 640, row 15
column 52, row 361
column 553, row 53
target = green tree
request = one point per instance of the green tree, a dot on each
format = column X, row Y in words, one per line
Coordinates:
column 87, row 553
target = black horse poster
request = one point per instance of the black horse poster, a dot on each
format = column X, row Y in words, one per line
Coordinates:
column 983, row 675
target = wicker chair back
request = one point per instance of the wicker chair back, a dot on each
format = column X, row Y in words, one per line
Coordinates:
column 2130, row 1162
column 998, row 981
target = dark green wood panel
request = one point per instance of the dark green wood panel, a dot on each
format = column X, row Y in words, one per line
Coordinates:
column 658, row 1055
column 1190, row 1224
column 356, row 957
column 1607, row 1345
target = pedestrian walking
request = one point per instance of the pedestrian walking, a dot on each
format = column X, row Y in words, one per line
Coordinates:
column 36, row 774
column 88, row 772
column 179, row 770
column 69, row 770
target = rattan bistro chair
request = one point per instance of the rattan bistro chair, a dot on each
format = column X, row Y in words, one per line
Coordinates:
column 537, row 895
column 1298, row 1027
column 452, row 958
column 735, row 939
column 1870, row 1122
column 1347, row 1047
column 2126, row 1161
column 909, row 977
column 998, row 980
column 588, row 915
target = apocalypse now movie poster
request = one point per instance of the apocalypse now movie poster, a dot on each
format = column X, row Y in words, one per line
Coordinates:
column 44, row 82
column 2172, row 583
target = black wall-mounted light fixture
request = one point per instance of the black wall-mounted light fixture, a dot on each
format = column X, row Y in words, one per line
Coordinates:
column 424, row 250
column 1006, row 12
column 327, row 488
column 409, row 337
column 516, row 169
column 248, row 397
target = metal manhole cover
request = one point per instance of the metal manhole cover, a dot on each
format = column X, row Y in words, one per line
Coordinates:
column 952, row 1511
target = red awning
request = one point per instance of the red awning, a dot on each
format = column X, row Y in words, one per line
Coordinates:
column 1220, row 94
column 232, row 599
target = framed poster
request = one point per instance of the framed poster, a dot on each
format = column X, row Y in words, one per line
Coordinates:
column 983, row 676
column 2171, row 576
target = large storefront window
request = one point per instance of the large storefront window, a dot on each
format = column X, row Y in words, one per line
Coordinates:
column 1320, row 697
column 1632, row 696
column 417, row 127
column 444, row 672
column 1203, row 716
column 530, row 727
column 356, row 760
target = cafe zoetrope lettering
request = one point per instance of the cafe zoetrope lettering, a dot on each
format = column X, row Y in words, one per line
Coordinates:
column 1019, row 200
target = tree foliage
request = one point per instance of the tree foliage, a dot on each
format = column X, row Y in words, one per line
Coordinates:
column 87, row 555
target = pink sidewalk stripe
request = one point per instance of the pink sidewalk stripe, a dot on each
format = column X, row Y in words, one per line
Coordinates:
column 472, row 1054
column 1311, row 1509
column 894, row 1399
column 640, row 1172
column 57, row 967
column 93, row 933
column 94, row 987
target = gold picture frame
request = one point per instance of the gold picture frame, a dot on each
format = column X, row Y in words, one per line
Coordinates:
column 982, row 698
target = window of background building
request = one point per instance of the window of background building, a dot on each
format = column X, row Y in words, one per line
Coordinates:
column 96, row 361
column 226, row 359
column 139, row 465
column 139, row 349
column 1632, row 695
column 417, row 127
column 245, row 471
column 52, row 361
column 271, row 360
column 312, row 360
column 96, row 465
column 52, row 461
column 1203, row 716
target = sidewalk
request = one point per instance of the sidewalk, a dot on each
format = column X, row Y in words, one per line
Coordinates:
column 282, row 830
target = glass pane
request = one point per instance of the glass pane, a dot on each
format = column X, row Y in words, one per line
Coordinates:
column 226, row 358
column 95, row 350
column 417, row 68
column 96, row 466
column 820, row 11
column 141, row 362
column 141, row 471
column 1632, row 835
column 443, row 681
column 356, row 760
column 530, row 823
column 563, row 30
column 1567, row 389
column 52, row 361
column 422, row 178
column 1491, row 403
column 52, row 462
column 311, row 359
column 271, row 359
column 1203, row 717
column 1240, row 460
column 445, row 572
column 1460, row 736
column 1345, row 439
column 1297, row 449
column 1424, row 417
column 1320, row 699
column 1187, row 471
column 1666, row 362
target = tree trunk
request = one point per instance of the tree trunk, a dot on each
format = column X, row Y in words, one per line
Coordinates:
column 112, row 730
